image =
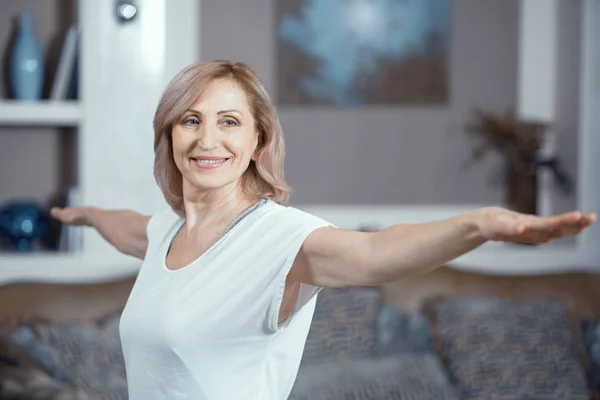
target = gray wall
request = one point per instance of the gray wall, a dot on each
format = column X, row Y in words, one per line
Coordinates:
column 386, row 155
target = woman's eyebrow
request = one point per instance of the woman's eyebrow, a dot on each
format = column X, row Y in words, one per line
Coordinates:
column 218, row 113
column 228, row 111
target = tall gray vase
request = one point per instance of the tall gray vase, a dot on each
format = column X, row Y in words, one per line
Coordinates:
column 26, row 62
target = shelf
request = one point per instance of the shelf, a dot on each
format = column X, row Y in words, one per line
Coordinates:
column 59, row 267
column 39, row 113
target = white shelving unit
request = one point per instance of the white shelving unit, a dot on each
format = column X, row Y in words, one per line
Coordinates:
column 63, row 267
column 124, row 67
column 42, row 113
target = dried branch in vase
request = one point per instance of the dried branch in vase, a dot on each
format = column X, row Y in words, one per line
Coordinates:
column 517, row 140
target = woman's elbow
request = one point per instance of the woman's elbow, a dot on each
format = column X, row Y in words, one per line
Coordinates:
column 364, row 267
column 371, row 267
column 134, row 247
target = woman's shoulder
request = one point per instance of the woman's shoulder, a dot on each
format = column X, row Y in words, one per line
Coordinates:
column 166, row 214
column 292, row 216
column 162, row 221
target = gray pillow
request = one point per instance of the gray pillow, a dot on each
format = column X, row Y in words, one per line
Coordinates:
column 590, row 336
column 496, row 348
column 344, row 326
column 404, row 377
column 24, row 383
column 402, row 331
column 86, row 355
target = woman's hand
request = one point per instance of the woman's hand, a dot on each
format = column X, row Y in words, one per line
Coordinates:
column 72, row 215
column 509, row 226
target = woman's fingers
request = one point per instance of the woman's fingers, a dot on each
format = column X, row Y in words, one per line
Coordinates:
column 541, row 230
column 69, row 215
column 55, row 212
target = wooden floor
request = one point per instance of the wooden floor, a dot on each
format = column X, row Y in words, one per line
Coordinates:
column 581, row 292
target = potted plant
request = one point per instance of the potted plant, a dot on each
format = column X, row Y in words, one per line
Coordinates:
column 519, row 142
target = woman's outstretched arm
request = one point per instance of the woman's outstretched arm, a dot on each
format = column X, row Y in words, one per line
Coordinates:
column 124, row 229
column 336, row 258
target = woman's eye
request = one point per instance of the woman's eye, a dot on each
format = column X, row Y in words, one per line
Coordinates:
column 191, row 121
column 230, row 122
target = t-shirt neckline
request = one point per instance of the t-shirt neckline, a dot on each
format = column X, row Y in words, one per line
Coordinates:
column 225, row 233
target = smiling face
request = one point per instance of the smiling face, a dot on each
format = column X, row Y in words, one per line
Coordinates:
column 215, row 139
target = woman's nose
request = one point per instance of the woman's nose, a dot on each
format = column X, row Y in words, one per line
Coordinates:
column 208, row 138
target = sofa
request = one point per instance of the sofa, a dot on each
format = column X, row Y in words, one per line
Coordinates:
column 357, row 348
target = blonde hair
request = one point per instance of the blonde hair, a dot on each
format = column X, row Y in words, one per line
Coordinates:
column 264, row 177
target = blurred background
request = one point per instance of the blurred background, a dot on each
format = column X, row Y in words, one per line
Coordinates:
column 394, row 111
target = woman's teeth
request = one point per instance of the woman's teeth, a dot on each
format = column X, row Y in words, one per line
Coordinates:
column 211, row 161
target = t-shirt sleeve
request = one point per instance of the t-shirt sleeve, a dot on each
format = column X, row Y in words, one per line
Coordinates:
column 159, row 224
column 301, row 226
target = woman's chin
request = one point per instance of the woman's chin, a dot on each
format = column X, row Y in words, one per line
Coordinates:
column 206, row 184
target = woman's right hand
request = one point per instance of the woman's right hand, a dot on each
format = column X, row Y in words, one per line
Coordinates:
column 72, row 215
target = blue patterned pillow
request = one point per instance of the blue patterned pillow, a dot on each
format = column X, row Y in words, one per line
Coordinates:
column 402, row 377
column 502, row 349
column 344, row 325
column 402, row 331
column 83, row 354
column 590, row 335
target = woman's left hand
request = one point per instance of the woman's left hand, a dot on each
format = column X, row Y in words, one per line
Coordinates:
column 509, row 226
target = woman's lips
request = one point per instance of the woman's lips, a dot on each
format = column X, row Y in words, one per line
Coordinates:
column 209, row 162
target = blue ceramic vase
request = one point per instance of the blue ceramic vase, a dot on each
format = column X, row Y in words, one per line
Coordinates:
column 26, row 62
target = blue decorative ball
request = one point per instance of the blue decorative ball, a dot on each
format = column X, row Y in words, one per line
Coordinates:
column 23, row 223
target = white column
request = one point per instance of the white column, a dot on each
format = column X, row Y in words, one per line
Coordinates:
column 537, row 77
column 126, row 67
column 588, row 168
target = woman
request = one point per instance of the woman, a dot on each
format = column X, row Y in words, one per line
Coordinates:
column 223, row 302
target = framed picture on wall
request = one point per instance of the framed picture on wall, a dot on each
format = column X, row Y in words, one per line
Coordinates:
column 362, row 52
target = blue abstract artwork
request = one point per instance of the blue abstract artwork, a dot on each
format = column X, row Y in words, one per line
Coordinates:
column 362, row 52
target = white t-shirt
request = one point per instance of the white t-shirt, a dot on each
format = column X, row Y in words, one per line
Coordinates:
column 210, row 330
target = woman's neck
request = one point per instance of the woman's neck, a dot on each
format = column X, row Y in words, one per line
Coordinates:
column 214, row 208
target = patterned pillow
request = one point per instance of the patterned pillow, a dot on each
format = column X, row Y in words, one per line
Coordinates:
column 402, row 331
column 22, row 383
column 86, row 355
column 403, row 377
column 590, row 336
column 506, row 349
column 344, row 325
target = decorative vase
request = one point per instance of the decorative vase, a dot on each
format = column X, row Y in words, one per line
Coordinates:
column 521, row 194
column 26, row 62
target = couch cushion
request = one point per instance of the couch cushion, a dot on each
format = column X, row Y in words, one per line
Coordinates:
column 23, row 383
column 497, row 348
column 402, row 331
column 86, row 355
column 344, row 325
column 590, row 336
column 402, row 377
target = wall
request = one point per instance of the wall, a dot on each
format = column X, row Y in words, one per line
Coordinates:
column 386, row 155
